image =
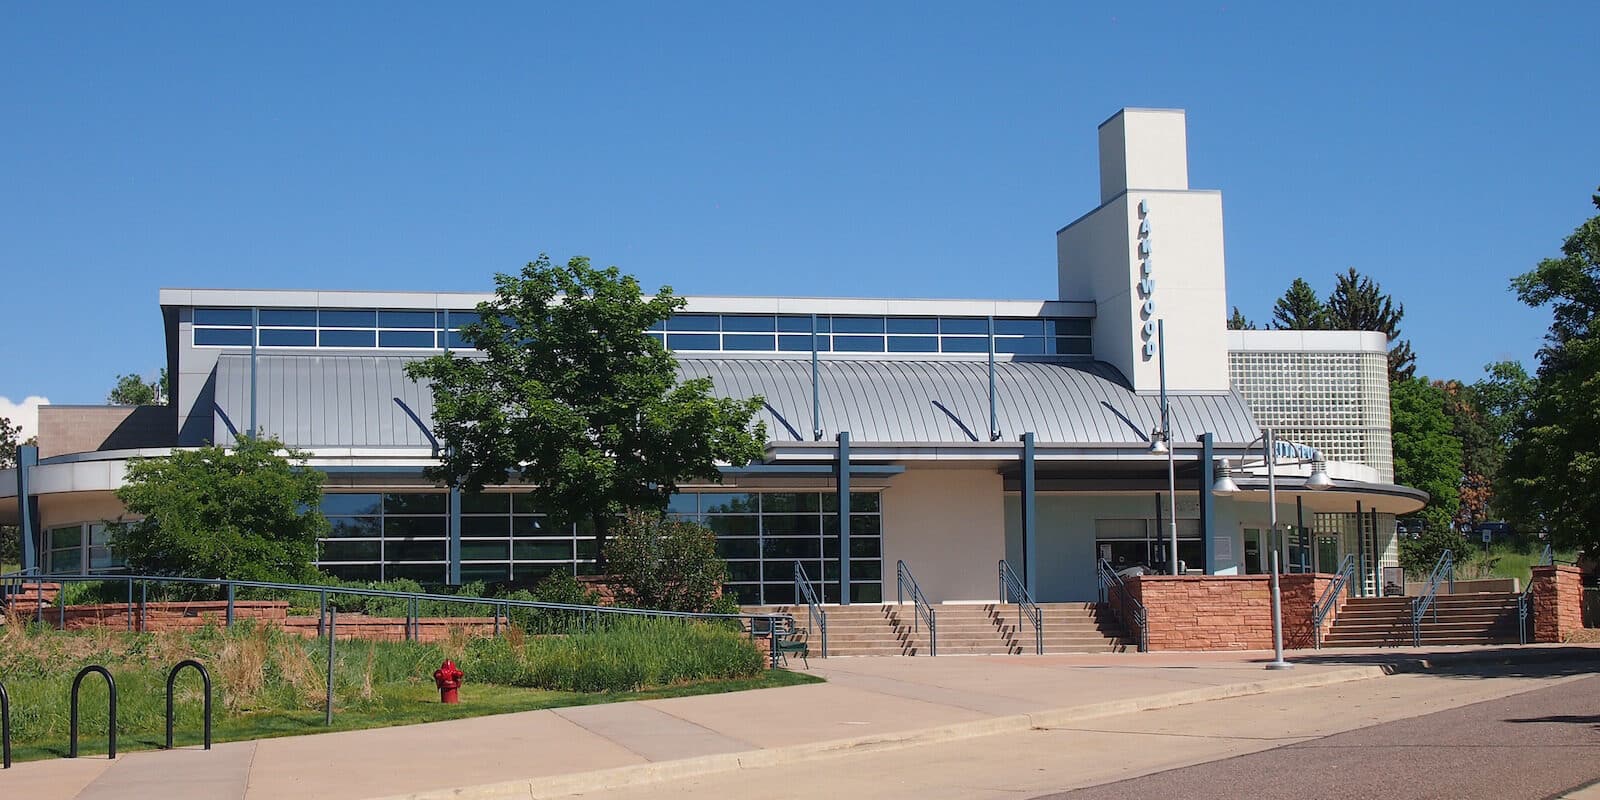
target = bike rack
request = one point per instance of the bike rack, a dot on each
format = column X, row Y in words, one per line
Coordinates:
column 205, row 678
column 111, row 733
column 5, row 728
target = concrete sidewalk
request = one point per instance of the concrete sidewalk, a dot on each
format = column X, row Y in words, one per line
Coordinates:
column 867, row 703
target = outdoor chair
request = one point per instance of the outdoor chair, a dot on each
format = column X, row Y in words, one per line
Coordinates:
column 793, row 640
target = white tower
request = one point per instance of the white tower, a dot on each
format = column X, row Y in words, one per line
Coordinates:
column 1152, row 250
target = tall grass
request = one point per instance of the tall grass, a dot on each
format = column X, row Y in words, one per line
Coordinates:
column 262, row 673
column 1512, row 559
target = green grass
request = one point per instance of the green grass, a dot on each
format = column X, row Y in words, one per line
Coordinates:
column 1505, row 560
column 272, row 684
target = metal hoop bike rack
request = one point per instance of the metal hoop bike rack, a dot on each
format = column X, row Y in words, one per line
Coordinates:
column 111, row 728
column 205, row 679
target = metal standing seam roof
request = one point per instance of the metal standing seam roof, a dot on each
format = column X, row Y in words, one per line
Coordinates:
column 324, row 400
column 356, row 400
column 906, row 400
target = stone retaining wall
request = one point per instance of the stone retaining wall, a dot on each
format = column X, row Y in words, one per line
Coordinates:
column 189, row 616
column 1228, row 612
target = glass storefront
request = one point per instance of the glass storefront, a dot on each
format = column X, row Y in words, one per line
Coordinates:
column 503, row 537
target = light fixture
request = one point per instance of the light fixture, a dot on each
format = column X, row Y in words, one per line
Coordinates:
column 1158, row 443
column 1319, row 479
column 1224, row 484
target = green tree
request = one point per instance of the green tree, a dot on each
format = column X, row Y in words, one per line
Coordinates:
column 1553, row 468
column 1427, row 455
column 1358, row 303
column 666, row 563
column 9, row 443
column 134, row 390
column 249, row 513
column 1299, row 309
column 1481, row 452
column 1237, row 321
column 573, row 393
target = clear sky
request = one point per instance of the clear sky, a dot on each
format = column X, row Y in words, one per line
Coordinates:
column 861, row 149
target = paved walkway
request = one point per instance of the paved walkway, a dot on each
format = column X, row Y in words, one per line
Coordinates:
column 879, row 703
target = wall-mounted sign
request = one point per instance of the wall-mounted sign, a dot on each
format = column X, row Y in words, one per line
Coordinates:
column 1147, row 281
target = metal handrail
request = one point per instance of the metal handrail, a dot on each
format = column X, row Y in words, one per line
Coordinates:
column 1343, row 579
column 904, row 582
column 1012, row 586
column 1128, row 607
column 1525, row 598
column 1443, row 569
column 816, row 618
column 749, row 621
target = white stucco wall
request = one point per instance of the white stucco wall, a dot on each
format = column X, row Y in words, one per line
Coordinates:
column 948, row 525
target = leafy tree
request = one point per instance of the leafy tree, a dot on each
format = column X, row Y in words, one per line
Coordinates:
column 1481, row 452
column 249, row 513
column 573, row 394
column 8, row 443
column 666, row 563
column 133, row 390
column 1357, row 303
column 1426, row 453
column 1237, row 321
column 1553, row 468
column 1299, row 309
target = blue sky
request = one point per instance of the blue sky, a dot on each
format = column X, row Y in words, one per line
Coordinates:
column 878, row 149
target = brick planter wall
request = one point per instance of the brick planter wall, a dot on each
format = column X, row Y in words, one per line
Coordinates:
column 175, row 616
column 190, row 616
column 1227, row 612
column 1557, row 603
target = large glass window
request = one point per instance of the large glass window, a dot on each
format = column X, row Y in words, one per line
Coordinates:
column 406, row 535
column 763, row 534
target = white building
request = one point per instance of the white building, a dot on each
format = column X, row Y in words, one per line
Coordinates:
column 968, row 431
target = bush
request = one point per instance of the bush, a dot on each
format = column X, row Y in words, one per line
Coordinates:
column 558, row 587
column 665, row 563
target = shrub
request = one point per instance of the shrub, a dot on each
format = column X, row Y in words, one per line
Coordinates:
column 665, row 563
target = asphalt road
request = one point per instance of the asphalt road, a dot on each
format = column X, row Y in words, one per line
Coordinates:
column 1537, row 744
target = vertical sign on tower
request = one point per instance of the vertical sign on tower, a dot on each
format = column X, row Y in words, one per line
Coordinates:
column 1147, row 281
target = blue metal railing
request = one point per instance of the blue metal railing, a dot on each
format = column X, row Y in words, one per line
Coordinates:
column 1344, row 580
column 584, row 616
column 805, row 592
column 1443, row 570
column 1525, row 599
column 1012, row 590
column 906, row 584
column 1128, row 607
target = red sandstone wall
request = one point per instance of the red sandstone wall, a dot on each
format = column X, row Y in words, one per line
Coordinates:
column 1227, row 612
column 195, row 615
column 1557, row 603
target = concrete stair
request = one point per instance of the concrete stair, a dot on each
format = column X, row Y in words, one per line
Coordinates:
column 1483, row 618
column 964, row 629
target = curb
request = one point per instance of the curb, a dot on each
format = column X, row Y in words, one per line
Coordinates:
column 553, row 786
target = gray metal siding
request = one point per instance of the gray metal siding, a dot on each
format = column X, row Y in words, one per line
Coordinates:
column 349, row 400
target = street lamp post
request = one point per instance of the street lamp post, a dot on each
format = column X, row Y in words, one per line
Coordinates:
column 1317, row 481
column 1161, row 442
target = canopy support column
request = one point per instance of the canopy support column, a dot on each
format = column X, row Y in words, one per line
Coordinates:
column 843, row 481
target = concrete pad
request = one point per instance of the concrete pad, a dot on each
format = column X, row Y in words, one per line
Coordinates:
column 218, row 773
column 813, row 713
column 651, row 732
column 57, row 779
column 386, row 761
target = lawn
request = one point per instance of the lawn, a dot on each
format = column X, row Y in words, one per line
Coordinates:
column 270, row 684
column 1508, row 559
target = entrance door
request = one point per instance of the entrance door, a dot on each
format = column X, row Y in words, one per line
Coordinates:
column 1252, row 552
column 1327, row 553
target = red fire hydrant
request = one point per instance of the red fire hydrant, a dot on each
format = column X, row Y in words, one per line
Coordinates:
column 448, row 678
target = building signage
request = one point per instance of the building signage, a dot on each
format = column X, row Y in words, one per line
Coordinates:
column 1147, row 281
